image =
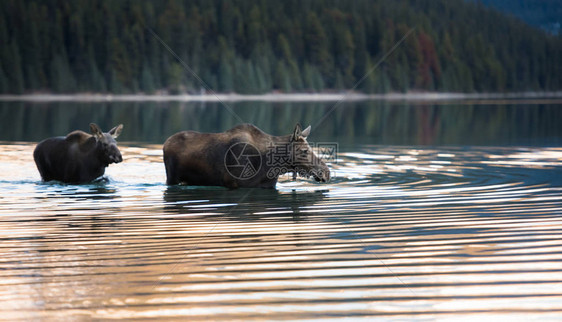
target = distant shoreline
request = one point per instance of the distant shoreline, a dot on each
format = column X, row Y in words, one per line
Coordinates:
column 279, row 97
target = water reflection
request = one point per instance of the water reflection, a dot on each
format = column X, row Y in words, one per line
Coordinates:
column 96, row 191
column 240, row 204
column 365, row 122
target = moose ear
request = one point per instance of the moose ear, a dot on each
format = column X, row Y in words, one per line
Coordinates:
column 95, row 130
column 116, row 131
column 297, row 132
column 306, row 132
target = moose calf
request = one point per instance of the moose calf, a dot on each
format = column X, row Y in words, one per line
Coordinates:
column 79, row 157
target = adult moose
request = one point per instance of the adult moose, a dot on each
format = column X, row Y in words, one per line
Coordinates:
column 243, row 156
column 79, row 157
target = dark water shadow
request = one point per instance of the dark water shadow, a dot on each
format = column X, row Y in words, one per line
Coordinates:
column 240, row 204
column 99, row 189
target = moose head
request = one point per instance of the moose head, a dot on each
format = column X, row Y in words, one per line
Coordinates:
column 105, row 143
column 305, row 163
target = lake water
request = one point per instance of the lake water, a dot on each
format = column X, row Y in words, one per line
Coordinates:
column 435, row 211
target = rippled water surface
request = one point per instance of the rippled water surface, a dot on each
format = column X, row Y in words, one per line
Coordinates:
column 400, row 232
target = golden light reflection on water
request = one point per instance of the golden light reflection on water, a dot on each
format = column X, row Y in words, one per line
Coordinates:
column 399, row 233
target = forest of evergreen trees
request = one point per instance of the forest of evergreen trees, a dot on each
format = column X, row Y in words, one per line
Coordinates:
column 262, row 46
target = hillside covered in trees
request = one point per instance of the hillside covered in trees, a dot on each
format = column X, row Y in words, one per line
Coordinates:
column 263, row 46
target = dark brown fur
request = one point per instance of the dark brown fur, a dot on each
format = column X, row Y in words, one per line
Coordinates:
column 201, row 158
column 79, row 157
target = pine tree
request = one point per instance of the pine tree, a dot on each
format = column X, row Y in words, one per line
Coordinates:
column 13, row 65
column 175, row 78
column 317, row 48
column 226, row 81
column 282, row 80
column 62, row 78
column 4, row 82
column 115, row 85
column 147, row 82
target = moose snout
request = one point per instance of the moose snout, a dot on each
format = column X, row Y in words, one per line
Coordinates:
column 322, row 174
column 115, row 157
column 113, row 154
column 325, row 175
